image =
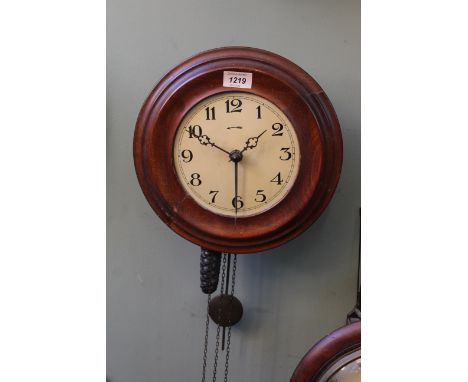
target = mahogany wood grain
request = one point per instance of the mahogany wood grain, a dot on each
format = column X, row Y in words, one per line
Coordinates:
column 327, row 351
column 275, row 78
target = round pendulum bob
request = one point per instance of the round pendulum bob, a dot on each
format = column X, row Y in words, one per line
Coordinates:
column 225, row 310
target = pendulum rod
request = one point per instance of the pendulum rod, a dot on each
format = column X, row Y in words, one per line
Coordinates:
column 227, row 273
column 223, row 341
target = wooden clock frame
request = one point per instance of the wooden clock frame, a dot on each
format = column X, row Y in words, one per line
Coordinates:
column 326, row 352
column 278, row 80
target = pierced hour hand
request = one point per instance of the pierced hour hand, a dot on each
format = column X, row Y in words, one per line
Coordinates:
column 252, row 142
column 205, row 140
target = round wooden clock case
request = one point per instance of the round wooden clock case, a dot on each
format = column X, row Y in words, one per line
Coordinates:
column 321, row 363
column 283, row 84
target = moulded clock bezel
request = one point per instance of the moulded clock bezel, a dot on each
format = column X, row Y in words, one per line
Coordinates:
column 327, row 352
column 281, row 82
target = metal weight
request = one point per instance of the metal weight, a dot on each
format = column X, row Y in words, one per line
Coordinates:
column 210, row 262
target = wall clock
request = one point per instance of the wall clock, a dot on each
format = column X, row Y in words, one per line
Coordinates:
column 238, row 150
column 335, row 358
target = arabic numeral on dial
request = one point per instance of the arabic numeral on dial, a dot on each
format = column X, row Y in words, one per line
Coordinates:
column 259, row 112
column 287, row 152
column 278, row 129
column 261, row 197
column 237, row 202
column 214, row 193
column 210, row 113
column 195, row 179
column 233, row 106
column 186, row 155
column 277, row 179
column 195, row 131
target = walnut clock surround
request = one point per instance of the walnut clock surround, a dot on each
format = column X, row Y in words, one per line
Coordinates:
column 238, row 150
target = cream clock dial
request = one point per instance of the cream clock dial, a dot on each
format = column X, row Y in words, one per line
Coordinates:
column 236, row 154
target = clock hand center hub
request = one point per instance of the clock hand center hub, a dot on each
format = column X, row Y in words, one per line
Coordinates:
column 235, row 156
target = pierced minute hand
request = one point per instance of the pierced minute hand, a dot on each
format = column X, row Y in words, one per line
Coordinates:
column 235, row 186
column 205, row 140
column 252, row 142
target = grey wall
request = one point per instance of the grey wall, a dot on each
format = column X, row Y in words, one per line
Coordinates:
column 293, row 295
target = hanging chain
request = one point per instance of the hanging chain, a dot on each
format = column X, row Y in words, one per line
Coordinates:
column 205, row 347
column 224, row 276
column 218, row 329
column 234, row 268
column 228, row 345
column 223, row 271
column 215, row 364
column 226, row 367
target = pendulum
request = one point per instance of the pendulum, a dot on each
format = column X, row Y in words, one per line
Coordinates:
column 225, row 310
